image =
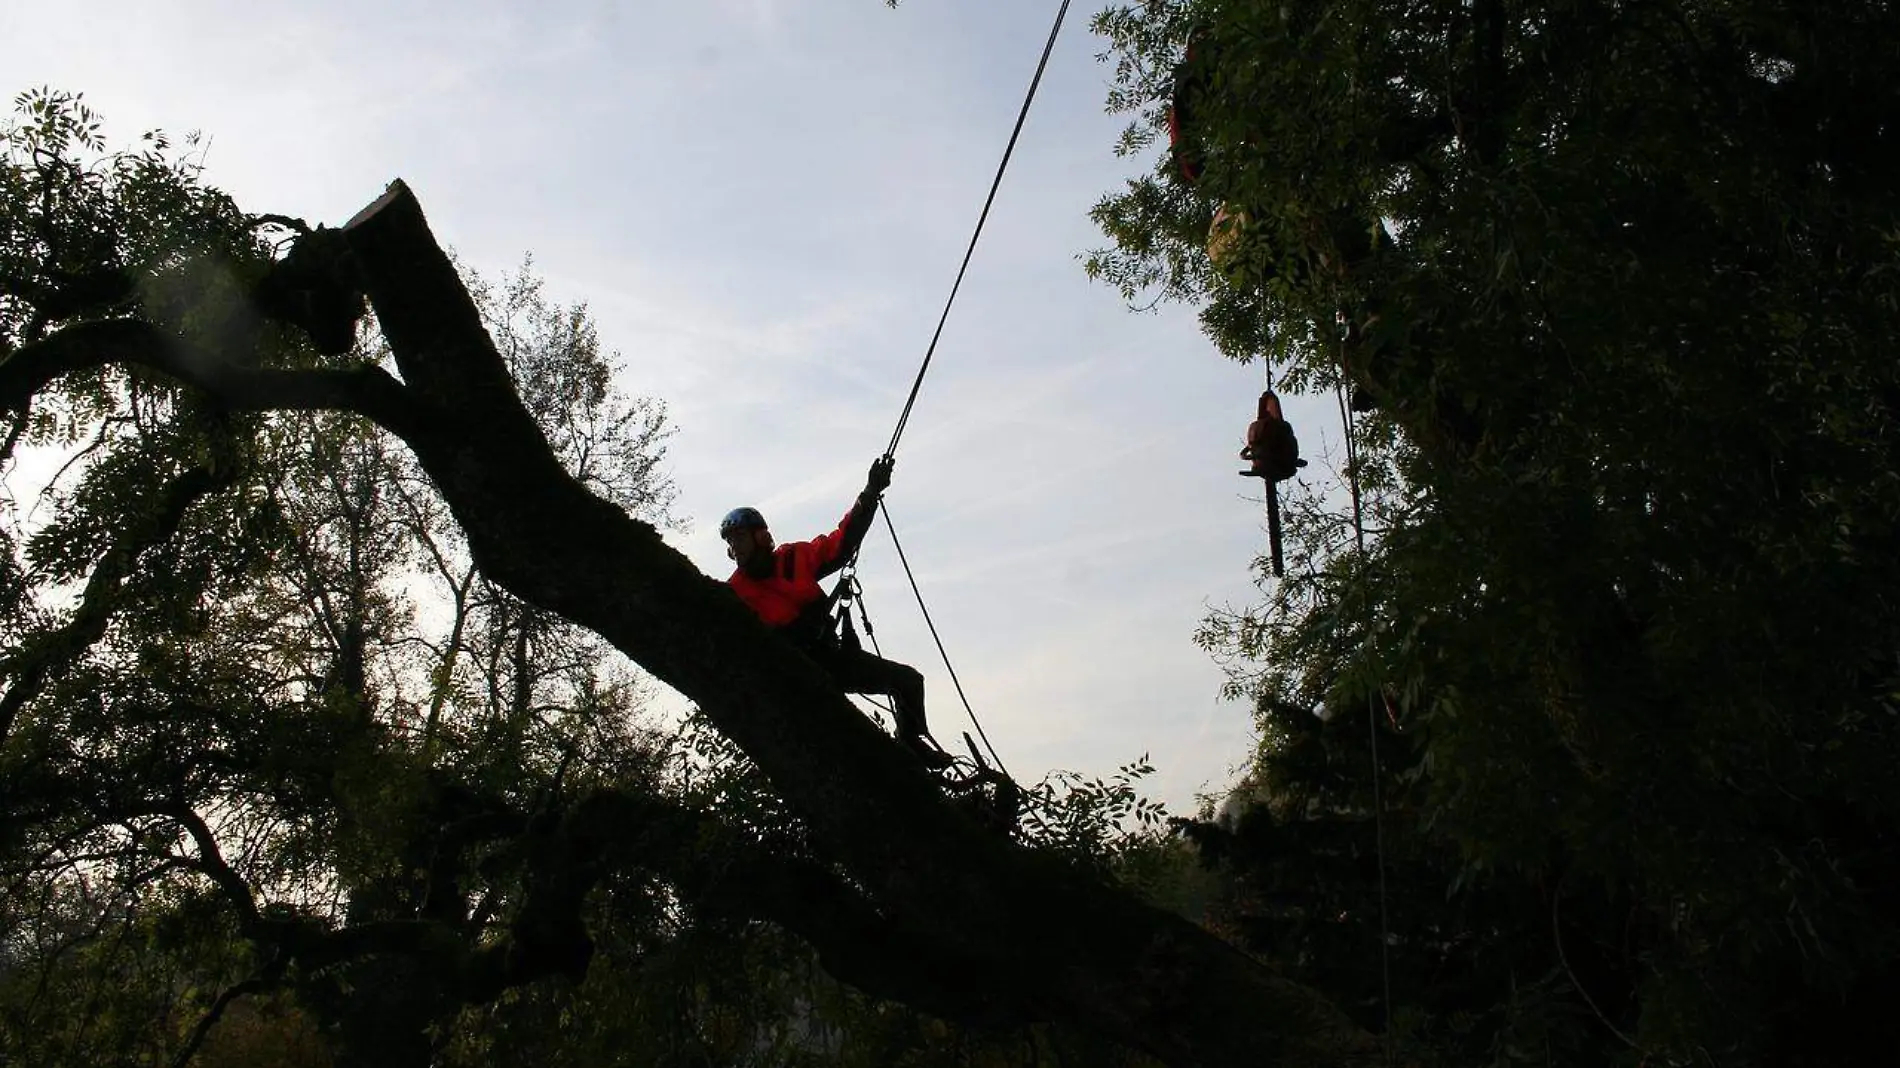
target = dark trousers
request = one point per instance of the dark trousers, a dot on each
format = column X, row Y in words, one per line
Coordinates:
column 856, row 671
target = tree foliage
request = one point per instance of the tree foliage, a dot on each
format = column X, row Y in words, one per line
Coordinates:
column 1618, row 280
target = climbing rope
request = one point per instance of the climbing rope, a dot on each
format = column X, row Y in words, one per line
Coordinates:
column 1372, row 714
column 954, row 681
column 930, row 353
column 995, row 184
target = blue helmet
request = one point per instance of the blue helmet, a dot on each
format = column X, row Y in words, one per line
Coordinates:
column 741, row 519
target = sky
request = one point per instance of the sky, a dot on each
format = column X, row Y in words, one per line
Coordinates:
column 764, row 204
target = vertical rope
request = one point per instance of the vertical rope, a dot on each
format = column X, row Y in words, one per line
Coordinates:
column 930, row 352
column 1372, row 717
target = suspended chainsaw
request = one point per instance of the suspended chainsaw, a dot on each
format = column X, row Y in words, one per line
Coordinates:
column 1275, row 455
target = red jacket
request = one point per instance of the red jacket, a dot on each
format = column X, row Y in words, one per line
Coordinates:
column 796, row 568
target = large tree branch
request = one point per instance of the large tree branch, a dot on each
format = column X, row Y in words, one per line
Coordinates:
column 539, row 534
column 68, row 296
column 1101, row 958
column 365, row 389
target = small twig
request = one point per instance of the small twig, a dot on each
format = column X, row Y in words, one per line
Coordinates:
column 99, row 441
column 1557, row 935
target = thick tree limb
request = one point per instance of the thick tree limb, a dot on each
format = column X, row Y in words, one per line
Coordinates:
column 68, row 296
column 365, row 389
column 1099, row 957
column 539, row 534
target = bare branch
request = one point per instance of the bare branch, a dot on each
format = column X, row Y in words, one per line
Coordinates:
column 210, row 861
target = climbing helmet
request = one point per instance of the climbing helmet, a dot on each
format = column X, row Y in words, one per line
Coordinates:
column 741, row 519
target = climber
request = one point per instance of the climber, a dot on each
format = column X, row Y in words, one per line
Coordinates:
column 780, row 583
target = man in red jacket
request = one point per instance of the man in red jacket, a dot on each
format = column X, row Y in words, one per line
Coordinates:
column 780, row 583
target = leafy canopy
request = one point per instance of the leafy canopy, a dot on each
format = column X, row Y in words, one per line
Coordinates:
column 1618, row 281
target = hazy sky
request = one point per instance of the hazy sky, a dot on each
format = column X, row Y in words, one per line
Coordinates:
column 764, row 203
